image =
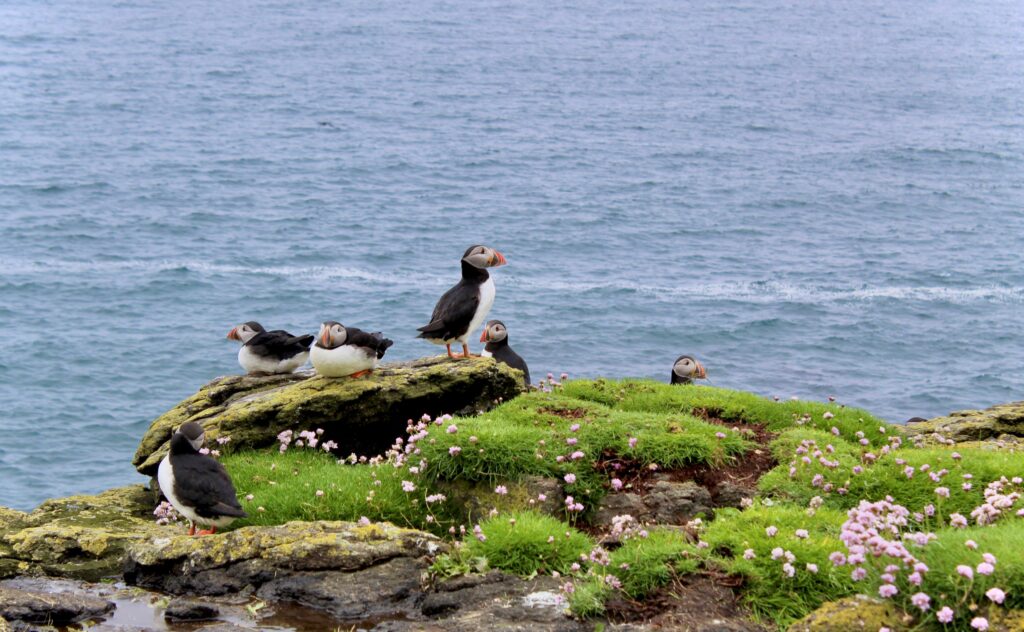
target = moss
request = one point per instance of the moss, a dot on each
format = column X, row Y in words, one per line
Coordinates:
column 361, row 415
column 84, row 536
column 974, row 425
column 851, row 614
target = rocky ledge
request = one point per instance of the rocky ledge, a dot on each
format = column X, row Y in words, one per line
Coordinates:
column 361, row 415
column 998, row 426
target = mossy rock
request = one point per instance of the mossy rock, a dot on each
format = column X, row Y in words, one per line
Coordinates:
column 854, row 613
column 250, row 556
column 1001, row 423
column 361, row 415
column 83, row 537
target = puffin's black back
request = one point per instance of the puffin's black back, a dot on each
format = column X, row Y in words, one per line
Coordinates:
column 501, row 352
column 279, row 344
column 374, row 343
column 201, row 482
column 454, row 311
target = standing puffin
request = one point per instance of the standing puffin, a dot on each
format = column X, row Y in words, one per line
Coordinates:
column 346, row 351
column 495, row 334
column 197, row 485
column 266, row 352
column 464, row 307
column 686, row 369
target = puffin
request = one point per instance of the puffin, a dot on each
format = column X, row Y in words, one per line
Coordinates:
column 266, row 352
column 342, row 351
column 465, row 306
column 687, row 369
column 197, row 485
column 495, row 334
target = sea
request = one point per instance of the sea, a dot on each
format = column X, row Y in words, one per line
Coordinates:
column 815, row 199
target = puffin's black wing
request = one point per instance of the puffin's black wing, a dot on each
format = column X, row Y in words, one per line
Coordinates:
column 279, row 344
column 453, row 313
column 508, row 356
column 203, row 483
column 375, row 343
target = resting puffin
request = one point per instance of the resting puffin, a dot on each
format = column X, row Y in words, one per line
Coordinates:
column 495, row 334
column 197, row 485
column 464, row 307
column 266, row 352
column 686, row 369
column 346, row 351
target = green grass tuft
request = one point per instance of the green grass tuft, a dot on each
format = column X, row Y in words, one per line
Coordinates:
column 527, row 542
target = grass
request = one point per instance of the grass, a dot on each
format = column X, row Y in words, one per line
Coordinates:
column 887, row 476
column 769, row 592
column 527, row 542
column 729, row 405
column 645, row 423
column 284, row 488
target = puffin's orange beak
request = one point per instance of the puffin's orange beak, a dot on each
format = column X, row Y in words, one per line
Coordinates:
column 325, row 338
column 702, row 373
column 233, row 334
column 483, row 335
column 500, row 258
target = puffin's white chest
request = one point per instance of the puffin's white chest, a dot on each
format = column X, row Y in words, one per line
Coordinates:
column 253, row 363
column 482, row 309
column 341, row 361
column 165, row 477
column 485, row 353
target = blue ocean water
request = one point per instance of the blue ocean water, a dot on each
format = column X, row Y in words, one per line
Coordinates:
column 813, row 198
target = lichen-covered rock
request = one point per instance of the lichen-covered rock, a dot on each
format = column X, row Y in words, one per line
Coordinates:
column 84, row 537
column 1004, row 422
column 852, row 614
column 254, row 556
column 361, row 415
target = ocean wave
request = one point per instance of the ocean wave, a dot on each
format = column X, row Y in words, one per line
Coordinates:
column 744, row 291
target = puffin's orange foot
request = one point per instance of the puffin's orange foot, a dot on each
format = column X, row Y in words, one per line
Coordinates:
column 210, row 531
column 362, row 373
column 191, row 529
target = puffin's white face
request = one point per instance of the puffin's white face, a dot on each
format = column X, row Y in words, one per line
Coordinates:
column 332, row 334
column 689, row 367
column 483, row 257
column 198, row 442
column 244, row 332
column 494, row 332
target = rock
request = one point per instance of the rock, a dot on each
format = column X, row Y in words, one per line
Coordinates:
column 677, row 503
column 188, row 610
column 729, row 494
column 853, row 613
column 4, row 626
column 974, row 425
column 495, row 601
column 84, row 537
column 251, row 557
column 361, row 415
column 619, row 504
column 380, row 591
column 55, row 608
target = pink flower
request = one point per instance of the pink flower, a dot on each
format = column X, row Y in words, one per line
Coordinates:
column 570, row 478
column 801, row 533
column 501, row 490
column 887, row 590
column 632, row 442
column 720, row 435
column 574, row 427
column 616, row 484
column 577, row 455
column 985, row 568
column 771, row 531
column 945, row 615
column 542, row 497
column 749, row 554
column 408, row 486
column 965, row 571
column 812, row 568
column 858, row 573
column 454, row 450
column 572, row 441
column 971, row 544
column 979, row 623
column 452, row 429
column 921, row 600
column 942, row 492
column 995, row 595
column 988, row 557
